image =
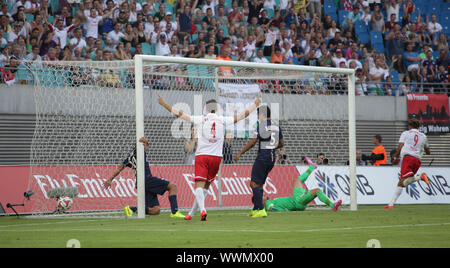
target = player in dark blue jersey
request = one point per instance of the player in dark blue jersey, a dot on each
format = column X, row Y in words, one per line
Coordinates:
column 270, row 138
column 153, row 186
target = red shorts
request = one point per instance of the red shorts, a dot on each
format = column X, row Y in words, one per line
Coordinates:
column 206, row 167
column 410, row 166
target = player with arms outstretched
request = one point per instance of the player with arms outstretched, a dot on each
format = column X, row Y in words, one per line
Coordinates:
column 211, row 131
column 412, row 145
column 270, row 138
column 153, row 186
column 301, row 197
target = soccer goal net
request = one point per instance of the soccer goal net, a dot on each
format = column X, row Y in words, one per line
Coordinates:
column 90, row 116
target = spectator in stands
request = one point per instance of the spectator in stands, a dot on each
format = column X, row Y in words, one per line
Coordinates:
column 442, row 75
column 441, row 42
column 162, row 46
column 409, row 7
column 395, row 161
column 338, row 58
column 282, row 157
column 411, row 60
column 433, row 25
column 378, row 22
column 377, row 75
column 361, row 83
column 392, row 7
column 260, row 57
column 51, row 55
column 34, row 55
column 390, row 25
column 228, row 150
column 320, row 158
column 351, row 18
column 443, row 58
column 406, row 86
column 114, row 37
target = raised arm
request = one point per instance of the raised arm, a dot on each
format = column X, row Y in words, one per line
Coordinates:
column 107, row 183
column 247, row 112
column 247, row 147
column 174, row 111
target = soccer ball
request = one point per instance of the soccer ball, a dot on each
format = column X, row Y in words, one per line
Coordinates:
column 64, row 203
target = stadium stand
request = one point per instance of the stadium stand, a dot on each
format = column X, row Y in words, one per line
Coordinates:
column 25, row 24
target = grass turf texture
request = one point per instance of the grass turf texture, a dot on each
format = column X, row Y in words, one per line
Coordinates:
column 405, row 226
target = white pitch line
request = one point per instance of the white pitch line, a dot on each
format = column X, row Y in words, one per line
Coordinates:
column 233, row 230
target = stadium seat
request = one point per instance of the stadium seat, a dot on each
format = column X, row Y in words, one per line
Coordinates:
column 436, row 54
column 342, row 15
column 330, row 9
column 433, row 9
column 225, row 30
column 29, row 17
column 207, row 76
column 228, row 3
column 146, row 48
column 379, row 47
column 376, row 37
column 360, row 27
column 192, row 71
column 364, row 38
column 169, row 8
column 194, row 37
column 54, row 5
column 395, row 76
column 445, row 7
column 444, row 19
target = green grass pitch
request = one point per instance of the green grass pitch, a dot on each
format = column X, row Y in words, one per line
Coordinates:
column 407, row 226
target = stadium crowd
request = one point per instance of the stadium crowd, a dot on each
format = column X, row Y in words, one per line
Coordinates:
column 395, row 46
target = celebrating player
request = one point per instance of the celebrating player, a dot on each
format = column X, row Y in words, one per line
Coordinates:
column 153, row 186
column 411, row 147
column 301, row 197
column 270, row 138
column 210, row 130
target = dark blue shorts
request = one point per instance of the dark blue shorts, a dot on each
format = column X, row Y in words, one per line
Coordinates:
column 153, row 187
column 260, row 170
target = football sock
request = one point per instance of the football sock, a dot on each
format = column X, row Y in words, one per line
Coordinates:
column 195, row 205
column 306, row 174
column 410, row 180
column 258, row 198
column 173, row 204
column 397, row 193
column 200, row 197
column 322, row 197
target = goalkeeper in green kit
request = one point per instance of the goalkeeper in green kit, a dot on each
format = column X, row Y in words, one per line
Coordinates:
column 301, row 197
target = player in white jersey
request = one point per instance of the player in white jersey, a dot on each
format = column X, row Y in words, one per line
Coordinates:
column 412, row 145
column 211, row 131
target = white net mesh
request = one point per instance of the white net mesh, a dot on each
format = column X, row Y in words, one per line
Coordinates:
column 86, row 127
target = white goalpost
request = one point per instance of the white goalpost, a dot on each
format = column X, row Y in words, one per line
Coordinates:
column 90, row 115
column 141, row 60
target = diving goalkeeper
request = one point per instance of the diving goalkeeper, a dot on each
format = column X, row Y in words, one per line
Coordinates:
column 301, row 197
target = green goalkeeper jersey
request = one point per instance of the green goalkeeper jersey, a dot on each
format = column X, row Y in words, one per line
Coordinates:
column 281, row 204
column 300, row 199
